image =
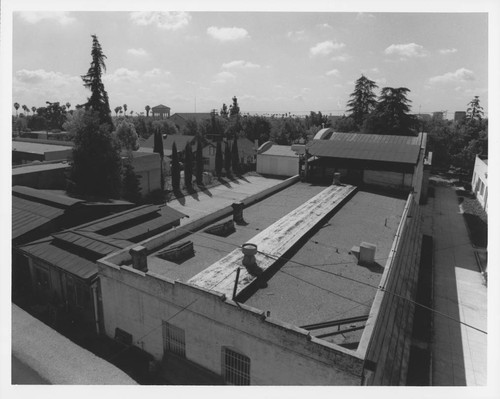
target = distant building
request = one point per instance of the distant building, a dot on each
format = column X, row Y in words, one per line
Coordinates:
column 62, row 267
column 480, row 181
column 277, row 160
column 160, row 112
column 181, row 119
column 459, row 116
column 439, row 115
column 388, row 161
column 29, row 150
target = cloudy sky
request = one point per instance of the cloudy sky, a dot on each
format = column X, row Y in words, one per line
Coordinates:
column 273, row 62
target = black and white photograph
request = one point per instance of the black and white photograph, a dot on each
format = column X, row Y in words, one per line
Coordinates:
column 251, row 194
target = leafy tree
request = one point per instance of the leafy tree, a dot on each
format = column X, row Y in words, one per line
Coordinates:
column 16, row 106
column 54, row 114
column 391, row 114
column 175, row 169
column 147, row 108
column 188, row 166
column 227, row 158
column 191, row 128
column 287, row 130
column 224, row 112
column 165, row 126
column 98, row 100
column 345, row 124
column 68, row 106
column 474, row 110
column 218, row 159
column 131, row 186
column 234, row 109
column 96, row 163
column 256, row 128
column 127, row 136
column 215, row 127
column 117, row 109
column 199, row 163
column 316, row 119
column 235, row 161
column 363, row 100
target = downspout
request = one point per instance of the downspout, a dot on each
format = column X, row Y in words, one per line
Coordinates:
column 96, row 310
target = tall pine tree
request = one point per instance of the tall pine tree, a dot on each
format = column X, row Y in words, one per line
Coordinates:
column 92, row 80
column 235, row 157
column 363, row 100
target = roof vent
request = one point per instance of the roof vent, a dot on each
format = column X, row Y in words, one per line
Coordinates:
column 249, row 261
column 336, row 179
column 367, row 253
column 139, row 258
column 178, row 253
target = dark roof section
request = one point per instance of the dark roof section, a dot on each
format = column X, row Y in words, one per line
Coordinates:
column 370, row 147
column 179, row 139
column 95, row 245
column 28, row 215
column 161, row 106
column 197, row 116
column 45, row 197
column 106, row 225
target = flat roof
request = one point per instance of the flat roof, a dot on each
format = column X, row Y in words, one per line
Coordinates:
column 37, row 148
column 38, row 167
column 370, row 147
column 319, row 279
column 210, row 248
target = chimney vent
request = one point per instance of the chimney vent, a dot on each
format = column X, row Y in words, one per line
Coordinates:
column 139, row 258
column 367, row 253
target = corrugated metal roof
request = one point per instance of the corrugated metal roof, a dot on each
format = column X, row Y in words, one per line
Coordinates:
column 371, row 147
column 122, row 217
column 28, row 215
column 280, row 150
column 95, row 243
column 50, row 253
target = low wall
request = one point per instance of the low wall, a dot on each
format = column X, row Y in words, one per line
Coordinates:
column 386, row 340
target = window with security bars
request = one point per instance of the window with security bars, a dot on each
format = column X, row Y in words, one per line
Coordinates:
column 174, row 339
column 236, row 368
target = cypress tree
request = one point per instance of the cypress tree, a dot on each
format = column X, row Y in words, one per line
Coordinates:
column 188, row 166
column 218, row 159
column 131, row 187
column 176, row 170
column 199, row 163
column 227, row 159
column 235, row 157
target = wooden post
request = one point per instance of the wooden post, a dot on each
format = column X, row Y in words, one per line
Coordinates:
column 236, row 282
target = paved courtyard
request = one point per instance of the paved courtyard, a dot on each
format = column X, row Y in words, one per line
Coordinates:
column 459, row 352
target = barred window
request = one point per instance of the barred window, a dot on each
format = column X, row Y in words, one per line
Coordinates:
column 236, row 368
column 174, row 339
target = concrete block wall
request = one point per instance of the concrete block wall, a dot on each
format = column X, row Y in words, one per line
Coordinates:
column 280, row 354
column 386, row 341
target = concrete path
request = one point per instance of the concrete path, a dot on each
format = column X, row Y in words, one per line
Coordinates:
column 206, row 202
column 459, row 352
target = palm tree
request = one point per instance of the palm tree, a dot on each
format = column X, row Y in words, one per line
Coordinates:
column 16, row 106
column 125, row 109
column 147, row 110
column 117, row 109
column 68, row 106
column 26, row 109
column 33, row 109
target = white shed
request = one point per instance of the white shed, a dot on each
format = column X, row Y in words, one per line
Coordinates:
column 277, row 160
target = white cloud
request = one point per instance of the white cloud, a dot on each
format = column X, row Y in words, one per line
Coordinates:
column 33, row 17
column 325, row 48
column 227, row 34
column 325, row 26
column 240, row 64
column 460, row 75
column 448, row 50
column 223, row 77
column 341, row 58
column 139, row 52
column 296, row 35
column 407, row 50
column 333, row 72
column 156, row 73
column 169, row 20
column 299, row 97
column 40, row 76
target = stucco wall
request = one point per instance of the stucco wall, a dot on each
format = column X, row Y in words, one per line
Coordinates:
column 387, row 336
column 277, row 166
column 280, row 354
